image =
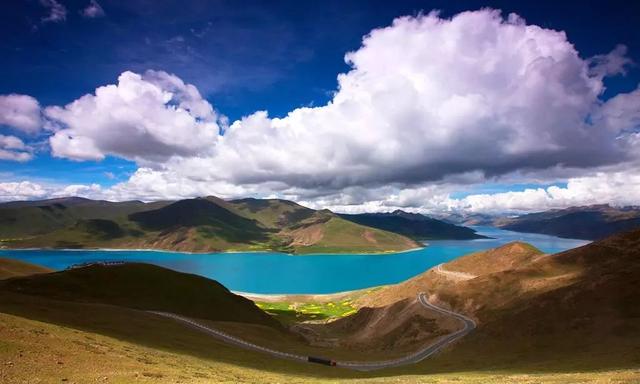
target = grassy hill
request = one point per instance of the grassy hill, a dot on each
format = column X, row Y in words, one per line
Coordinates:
column 194, row 225
column 272, row 213
column 15, row 268
column 141, row 286
column 413, row 225
column 589, row 223
column 19, row 219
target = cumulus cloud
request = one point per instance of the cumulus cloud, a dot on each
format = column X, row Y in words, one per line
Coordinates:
column 24, row 190
column 21, row 112
column 429, row 104
column 93, row 10
column 617, row 188
column 14, row 149
column 149, row 117
column 621, row 114
column 427, row 98
column 57, row 11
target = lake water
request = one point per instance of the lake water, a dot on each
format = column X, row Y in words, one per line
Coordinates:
column 281, row 273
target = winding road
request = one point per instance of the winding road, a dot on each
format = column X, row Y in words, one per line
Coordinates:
column 468, row 326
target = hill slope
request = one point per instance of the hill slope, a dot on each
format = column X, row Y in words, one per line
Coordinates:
column 142, row 286
column 577, row 308
column 413, row 225
column 19, row 219
column 589, row 223
column 15, row 268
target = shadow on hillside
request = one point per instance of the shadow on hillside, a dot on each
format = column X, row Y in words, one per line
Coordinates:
column 167, row 335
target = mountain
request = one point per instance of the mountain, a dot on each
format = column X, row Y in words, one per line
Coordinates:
column 31, row 218
column 466, row 218
column 413, row 225
column 195, row 225
column 577, row 309
column 588, row 223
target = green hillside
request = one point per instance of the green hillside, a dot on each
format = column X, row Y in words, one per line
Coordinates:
column 21, row 219
column 272, row 213
column 193, row 225
column 339, row 235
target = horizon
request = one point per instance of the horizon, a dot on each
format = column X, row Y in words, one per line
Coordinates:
column 396, row 106
column 406, row 210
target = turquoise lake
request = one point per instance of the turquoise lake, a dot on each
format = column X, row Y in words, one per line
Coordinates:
column 281, row 273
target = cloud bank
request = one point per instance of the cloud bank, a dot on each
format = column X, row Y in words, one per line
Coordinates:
column 430, row 104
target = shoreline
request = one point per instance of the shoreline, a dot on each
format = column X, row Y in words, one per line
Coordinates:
column 206, row 253
column 314, row 297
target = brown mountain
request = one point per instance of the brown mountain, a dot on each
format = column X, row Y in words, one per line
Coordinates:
column 578, row 308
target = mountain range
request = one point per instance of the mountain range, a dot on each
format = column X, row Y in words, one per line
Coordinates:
column 211, row 224
column 414, row 225
column 589, row 222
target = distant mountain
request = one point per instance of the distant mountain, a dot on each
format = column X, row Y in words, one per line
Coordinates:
column 413, row 225
column 589, row 222
column 195, row 225
column 466, row 218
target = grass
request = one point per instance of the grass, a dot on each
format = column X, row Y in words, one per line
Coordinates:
column 33, row 351
column 142, row 286
column 291, row 312
column 341, row 235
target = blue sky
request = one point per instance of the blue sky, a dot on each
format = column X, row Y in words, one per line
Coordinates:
column 248, row 56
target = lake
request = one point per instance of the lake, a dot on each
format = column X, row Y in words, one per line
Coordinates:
column 281, row 273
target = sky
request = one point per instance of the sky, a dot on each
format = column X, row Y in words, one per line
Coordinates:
column 432, row 107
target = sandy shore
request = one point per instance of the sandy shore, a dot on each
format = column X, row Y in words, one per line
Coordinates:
column 4, row 248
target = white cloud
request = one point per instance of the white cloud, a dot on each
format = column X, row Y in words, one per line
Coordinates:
column 429, row 104
column 80, row 190
column 24, row 190
column 57, row 11
column 616, row 188
column 613, row 63
column 14, row 149
column 93, row 10
column 21, row 112
column 621, row 114
column 143, row 118
column 427, row 99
